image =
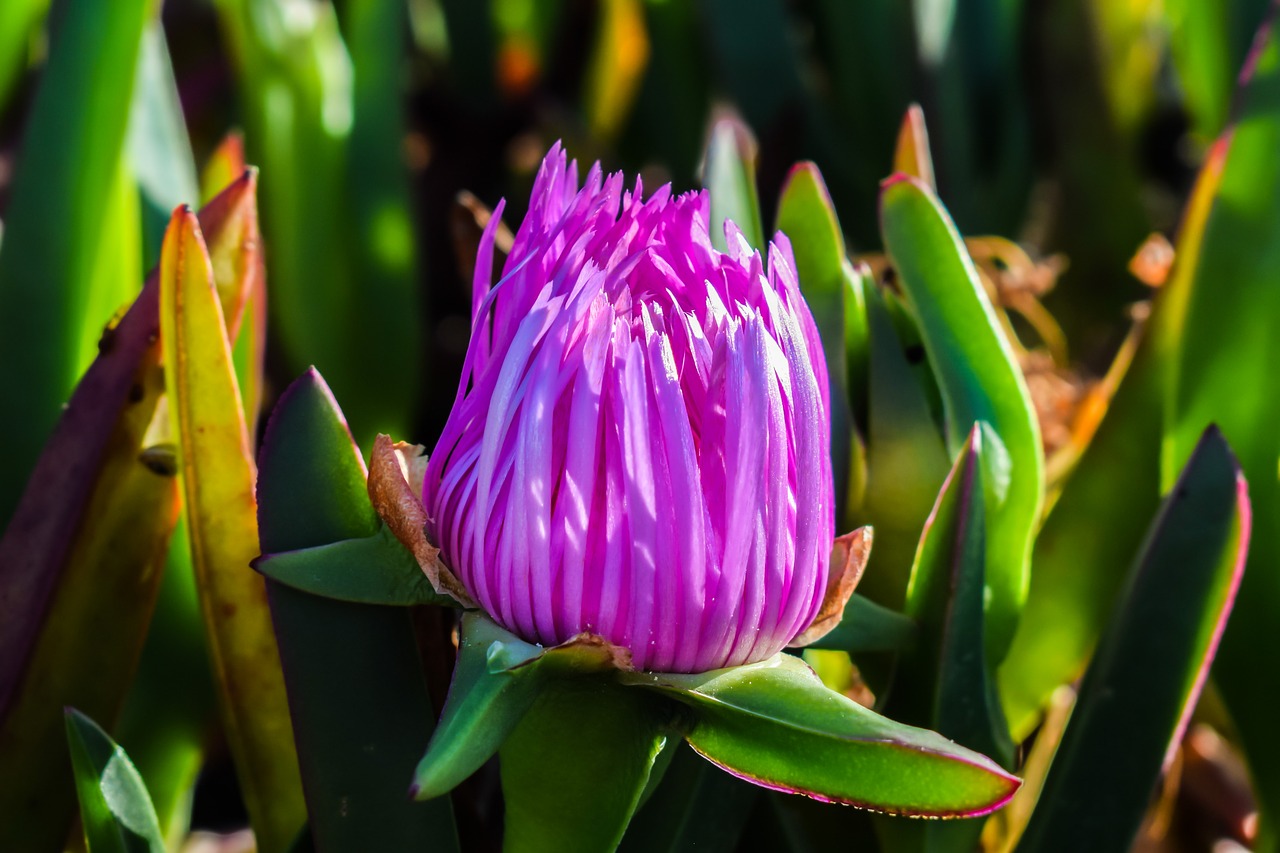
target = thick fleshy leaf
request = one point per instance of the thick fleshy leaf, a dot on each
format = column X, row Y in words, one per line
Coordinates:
column 1097, row 523
column 696, row 808
column 360, row 708
column 1146, row 676
column 776, row 724
column 115, row 811
column 172, row 705
column 906, row 459
column 980, row 380
column 911, row 156
column 729, row 174
column 375, row 569
column 19, row 22
column 576, row 764
column 808, row 219
column 1223, row 356
column 158, row 148
column 225, row 164
column 497, row 679
column 54, row 221
column 298, row 90
column 945, row 686
column 218, row 481
column 81, row 560
column 382, row 325
column 944, row 683
column 86, row 646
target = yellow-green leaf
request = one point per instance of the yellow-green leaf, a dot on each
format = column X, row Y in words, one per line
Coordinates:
column 218, row 482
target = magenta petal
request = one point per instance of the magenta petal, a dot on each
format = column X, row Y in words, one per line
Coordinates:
column 638, row 444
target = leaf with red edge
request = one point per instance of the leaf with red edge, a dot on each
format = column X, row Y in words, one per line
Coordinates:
column 218, row 479
column 775, row 723
column 1152, row 662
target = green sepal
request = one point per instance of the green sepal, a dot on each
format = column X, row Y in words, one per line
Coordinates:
column 776, row 724
column 497, row 678
column 576, row 765
column 115, row 810
column 374, row 569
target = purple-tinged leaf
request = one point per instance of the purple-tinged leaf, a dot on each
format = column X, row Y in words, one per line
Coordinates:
column 1151, row 663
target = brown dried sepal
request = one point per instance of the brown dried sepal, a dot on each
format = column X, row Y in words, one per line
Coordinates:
column 583, row 654
column 395, row 488
column 849, row 556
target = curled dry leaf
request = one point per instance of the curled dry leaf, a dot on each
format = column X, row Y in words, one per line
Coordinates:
column 849, row 557
column 395, row 488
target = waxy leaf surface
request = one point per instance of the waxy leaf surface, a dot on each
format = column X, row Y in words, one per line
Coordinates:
column 115, row 811
column 218, row 479
column 360, row 708
column 775, row 723
column 730, row 177
column 980, row 380
column 70, row 158
column 1151, row 663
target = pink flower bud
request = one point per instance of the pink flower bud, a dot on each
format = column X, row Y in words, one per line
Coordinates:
column 639, row 447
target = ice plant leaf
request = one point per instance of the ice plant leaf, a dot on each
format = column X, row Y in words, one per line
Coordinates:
column 1225, row 346
column 585, row 748
column 729, row 174
column 171, row 704
column 696, row 808
column 776, row 724
column 360, row 708
column 85, row 647
column 20, row 20
column 69, row 160
column 808, row 219
column 906, row 459
column 158, row 150
column 980, row 381
column 912, row 157
column 1096, row 525
column 218, row 481
column 225, row 164
column 1082, row 552
column 949, row 688
column 311, row 107
column 115, row 810
column 945, row 683
column 497, row 679
column 82, row 558
column 374, row 569
column 1145, row 678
